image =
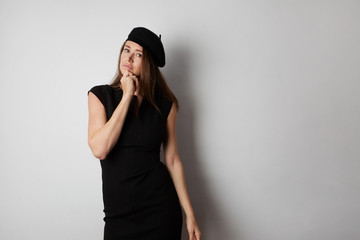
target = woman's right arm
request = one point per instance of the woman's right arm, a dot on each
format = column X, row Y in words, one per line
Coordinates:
column 103, row 134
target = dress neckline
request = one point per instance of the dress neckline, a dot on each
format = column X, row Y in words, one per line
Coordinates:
column 132, row 106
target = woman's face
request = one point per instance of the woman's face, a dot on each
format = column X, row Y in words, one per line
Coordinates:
column 131, row 58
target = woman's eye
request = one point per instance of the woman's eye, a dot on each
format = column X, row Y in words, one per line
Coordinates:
column 126, row 50
column 139, row 55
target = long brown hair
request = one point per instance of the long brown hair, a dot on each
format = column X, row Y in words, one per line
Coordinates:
column 152, row 83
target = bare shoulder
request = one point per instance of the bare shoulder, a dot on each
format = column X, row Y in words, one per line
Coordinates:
column 173, row 113
column 171, row 121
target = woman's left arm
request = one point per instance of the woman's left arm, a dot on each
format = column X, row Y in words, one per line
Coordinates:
column 175, row 167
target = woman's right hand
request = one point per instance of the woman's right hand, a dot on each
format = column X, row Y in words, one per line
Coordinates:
column 129, row 83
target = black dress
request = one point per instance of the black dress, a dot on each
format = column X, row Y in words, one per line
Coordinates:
column 140, row 201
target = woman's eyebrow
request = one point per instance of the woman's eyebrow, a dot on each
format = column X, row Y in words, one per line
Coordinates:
column 138, row 50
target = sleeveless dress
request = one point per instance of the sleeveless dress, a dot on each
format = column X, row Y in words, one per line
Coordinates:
column 140, row 200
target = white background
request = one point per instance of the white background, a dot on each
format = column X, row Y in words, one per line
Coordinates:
column 268, row 126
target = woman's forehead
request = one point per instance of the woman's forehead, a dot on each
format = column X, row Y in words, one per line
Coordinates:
column 133, row 45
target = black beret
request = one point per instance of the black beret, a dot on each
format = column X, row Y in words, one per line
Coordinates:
column 149, row 40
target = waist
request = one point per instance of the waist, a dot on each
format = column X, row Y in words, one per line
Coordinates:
column 144, row 149
column 130, row 161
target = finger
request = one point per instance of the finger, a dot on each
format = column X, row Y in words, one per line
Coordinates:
column 136, row 80
column 191, row 236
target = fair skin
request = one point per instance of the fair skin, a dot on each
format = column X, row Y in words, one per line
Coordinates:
column 103, row 134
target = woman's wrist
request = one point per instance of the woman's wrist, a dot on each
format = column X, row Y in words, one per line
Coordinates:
column 127, row 96
column 190, row 215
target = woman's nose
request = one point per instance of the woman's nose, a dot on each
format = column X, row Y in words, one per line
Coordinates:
column 131, row 57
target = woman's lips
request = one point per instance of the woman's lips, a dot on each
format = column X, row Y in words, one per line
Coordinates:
column 127, row 67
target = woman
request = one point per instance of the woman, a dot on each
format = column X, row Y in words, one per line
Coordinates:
column 128, row 121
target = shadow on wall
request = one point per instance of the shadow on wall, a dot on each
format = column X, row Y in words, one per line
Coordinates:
column 209, row 217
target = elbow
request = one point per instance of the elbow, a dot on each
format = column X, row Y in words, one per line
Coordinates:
column 171, row 161
column 101, row 155
column 98, row 151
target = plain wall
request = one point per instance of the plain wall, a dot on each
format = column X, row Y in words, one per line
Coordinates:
column 268, row 127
